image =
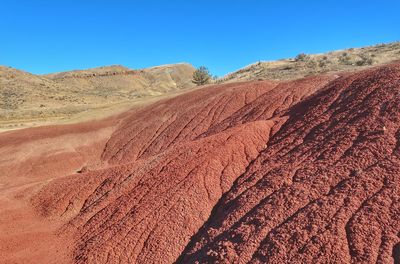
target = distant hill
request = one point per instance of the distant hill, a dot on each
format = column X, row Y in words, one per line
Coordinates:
column 24, row 96
column 121, row 81
column 28, row 100
column 304, row 65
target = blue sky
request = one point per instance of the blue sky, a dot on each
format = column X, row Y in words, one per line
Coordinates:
column 51, row 36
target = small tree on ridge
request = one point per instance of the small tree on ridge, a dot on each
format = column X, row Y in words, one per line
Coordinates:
column 201, row 76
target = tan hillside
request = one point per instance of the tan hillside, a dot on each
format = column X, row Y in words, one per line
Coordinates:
column 25, row 97
column 31, row 100
column 305, row 65
column 23, row 94
column 118, row 81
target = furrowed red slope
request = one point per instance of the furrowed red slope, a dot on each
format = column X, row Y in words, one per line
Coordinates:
column 146, row 212
column 203, row 112
column 169, row 164
column 183, row 118
column 324, row 190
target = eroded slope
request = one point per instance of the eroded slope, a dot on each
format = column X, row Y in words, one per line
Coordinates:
column 259, row 172
column 170, row 163
column 325, row 190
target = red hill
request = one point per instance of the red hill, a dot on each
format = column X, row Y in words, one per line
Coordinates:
column 303, row 171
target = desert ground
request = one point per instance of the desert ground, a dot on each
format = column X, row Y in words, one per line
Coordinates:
column 285, row 170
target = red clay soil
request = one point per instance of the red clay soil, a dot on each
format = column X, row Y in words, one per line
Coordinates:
column 30, row 159
column 305, row 171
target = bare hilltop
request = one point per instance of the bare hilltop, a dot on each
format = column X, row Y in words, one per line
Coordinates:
column 26, row 98
column 303, row 65
column 30, row 100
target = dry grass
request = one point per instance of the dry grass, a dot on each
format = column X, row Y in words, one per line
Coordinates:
column 28, row 100
column 31, row 100
column 305, row 65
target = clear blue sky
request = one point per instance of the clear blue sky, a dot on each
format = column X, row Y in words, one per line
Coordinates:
column 51, row 36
